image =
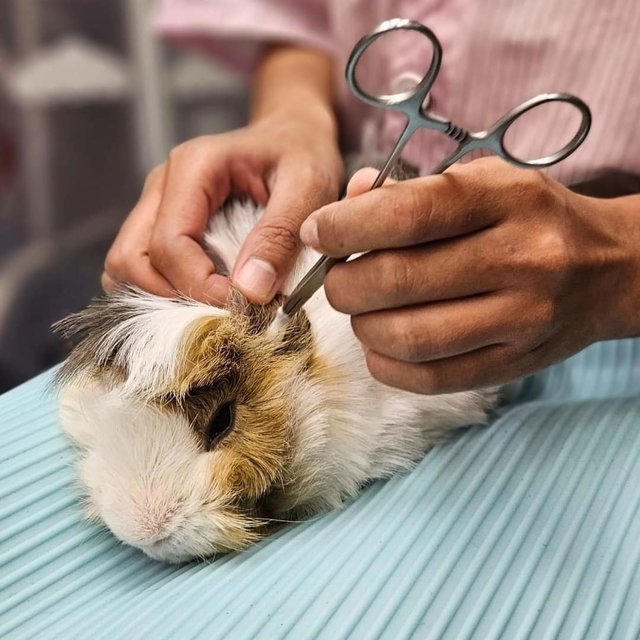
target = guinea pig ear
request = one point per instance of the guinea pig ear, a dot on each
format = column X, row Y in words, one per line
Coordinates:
column 258, row 317
column 84, row 331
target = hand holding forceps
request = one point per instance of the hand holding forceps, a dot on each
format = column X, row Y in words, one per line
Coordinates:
column 410, row 103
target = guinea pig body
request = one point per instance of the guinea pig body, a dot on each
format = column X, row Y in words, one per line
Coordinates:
column 198, row 430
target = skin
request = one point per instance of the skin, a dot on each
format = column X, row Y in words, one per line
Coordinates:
column 473, row 278
column 479, row 276
column 287, row 159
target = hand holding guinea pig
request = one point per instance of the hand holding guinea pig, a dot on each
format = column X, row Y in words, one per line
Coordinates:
column 480, row 275
column 286, row 159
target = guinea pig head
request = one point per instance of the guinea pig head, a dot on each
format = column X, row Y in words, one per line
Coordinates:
column 189, row 420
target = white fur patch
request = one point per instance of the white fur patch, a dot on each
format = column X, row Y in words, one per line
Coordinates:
column 149, row 343
column 144, row 475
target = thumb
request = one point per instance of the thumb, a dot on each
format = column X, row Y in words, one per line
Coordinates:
column 362, row 180
column 271, row 248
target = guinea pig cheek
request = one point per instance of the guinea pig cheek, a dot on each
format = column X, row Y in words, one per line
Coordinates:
column 139, row 474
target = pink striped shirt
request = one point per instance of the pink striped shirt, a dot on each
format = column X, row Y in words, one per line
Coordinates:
column 496, row 54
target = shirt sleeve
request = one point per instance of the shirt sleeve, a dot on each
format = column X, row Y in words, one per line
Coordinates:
column 235, row 30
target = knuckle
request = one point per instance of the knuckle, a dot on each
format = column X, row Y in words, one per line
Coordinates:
column 547, row 314
column 319, row 183
column 106, row 283
column 541, row 321
column 475, row 176
column 546, row 256
column 554, row 250
column 432, row 380
column 338, row 292
column 380, row 368
column 158, row 252
column 359, row 327
column 377, row 373
column 280, row 234
column 534, row 187
column 115, row 262
column 439, row 378
column 330, row 237
column 155, row 175
column 316, row 177
column 412, row 208
column 373, row 366
column 395, row 274
column 192, row 150
column 178, row 152
column 408, row 341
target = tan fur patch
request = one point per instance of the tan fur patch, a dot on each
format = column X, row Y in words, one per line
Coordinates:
column 231, row 360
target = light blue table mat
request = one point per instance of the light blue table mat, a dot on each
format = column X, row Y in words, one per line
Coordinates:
column 527, row 529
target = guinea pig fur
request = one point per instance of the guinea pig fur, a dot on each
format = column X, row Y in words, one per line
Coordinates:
column 198, row 431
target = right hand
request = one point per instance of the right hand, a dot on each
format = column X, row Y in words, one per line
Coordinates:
column 284, row 162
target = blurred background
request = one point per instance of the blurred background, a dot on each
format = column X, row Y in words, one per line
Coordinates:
column 90, row 100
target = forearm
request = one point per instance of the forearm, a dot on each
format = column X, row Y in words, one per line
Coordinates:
column 298, row 81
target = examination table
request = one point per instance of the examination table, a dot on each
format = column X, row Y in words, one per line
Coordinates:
column 529, row 528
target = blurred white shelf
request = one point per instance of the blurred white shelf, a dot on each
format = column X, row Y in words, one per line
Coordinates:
column 74, row 70
column 194, row 77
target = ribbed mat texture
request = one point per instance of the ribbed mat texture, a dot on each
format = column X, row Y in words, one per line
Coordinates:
column 527, row 529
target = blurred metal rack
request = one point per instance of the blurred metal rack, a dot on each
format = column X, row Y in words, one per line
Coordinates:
column 124, row 99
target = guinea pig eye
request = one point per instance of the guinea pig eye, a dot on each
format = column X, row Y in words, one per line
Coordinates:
column 220, row 423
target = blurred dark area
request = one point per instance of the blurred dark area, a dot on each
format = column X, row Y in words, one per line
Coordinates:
column 90, row 100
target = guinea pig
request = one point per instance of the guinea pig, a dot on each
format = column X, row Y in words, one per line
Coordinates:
column 199, row 431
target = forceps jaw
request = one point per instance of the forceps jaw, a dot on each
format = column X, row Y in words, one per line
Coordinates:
column 311, row 282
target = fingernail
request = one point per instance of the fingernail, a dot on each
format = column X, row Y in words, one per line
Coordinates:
column 309, row 232
column 257, row 276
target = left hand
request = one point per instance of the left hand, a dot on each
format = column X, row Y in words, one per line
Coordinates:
column 478, row 276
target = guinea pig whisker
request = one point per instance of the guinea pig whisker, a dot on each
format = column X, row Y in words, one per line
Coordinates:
column 283, row 520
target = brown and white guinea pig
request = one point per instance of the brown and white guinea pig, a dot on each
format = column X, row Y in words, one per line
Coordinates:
column 199, row 431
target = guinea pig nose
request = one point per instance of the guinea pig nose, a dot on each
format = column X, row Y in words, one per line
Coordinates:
column 155, row 525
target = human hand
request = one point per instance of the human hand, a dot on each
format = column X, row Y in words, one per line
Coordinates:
column 480, row 275
column 283, row 161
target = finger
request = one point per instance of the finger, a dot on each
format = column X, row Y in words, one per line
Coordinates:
column 109, row 285
column 416, row 275
column 362, row 180
column 160, row 287
column 402, row 214
column 486, row 367
column 440, row 330
column 270, row 249
column 142, row 275
column 128, row 260
column 197, row 182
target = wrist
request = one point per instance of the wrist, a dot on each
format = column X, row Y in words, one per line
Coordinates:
column 301, row 113
column 297, row 83
column 617, row 303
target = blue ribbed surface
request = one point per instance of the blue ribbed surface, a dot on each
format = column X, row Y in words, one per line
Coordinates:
column 529, row 529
